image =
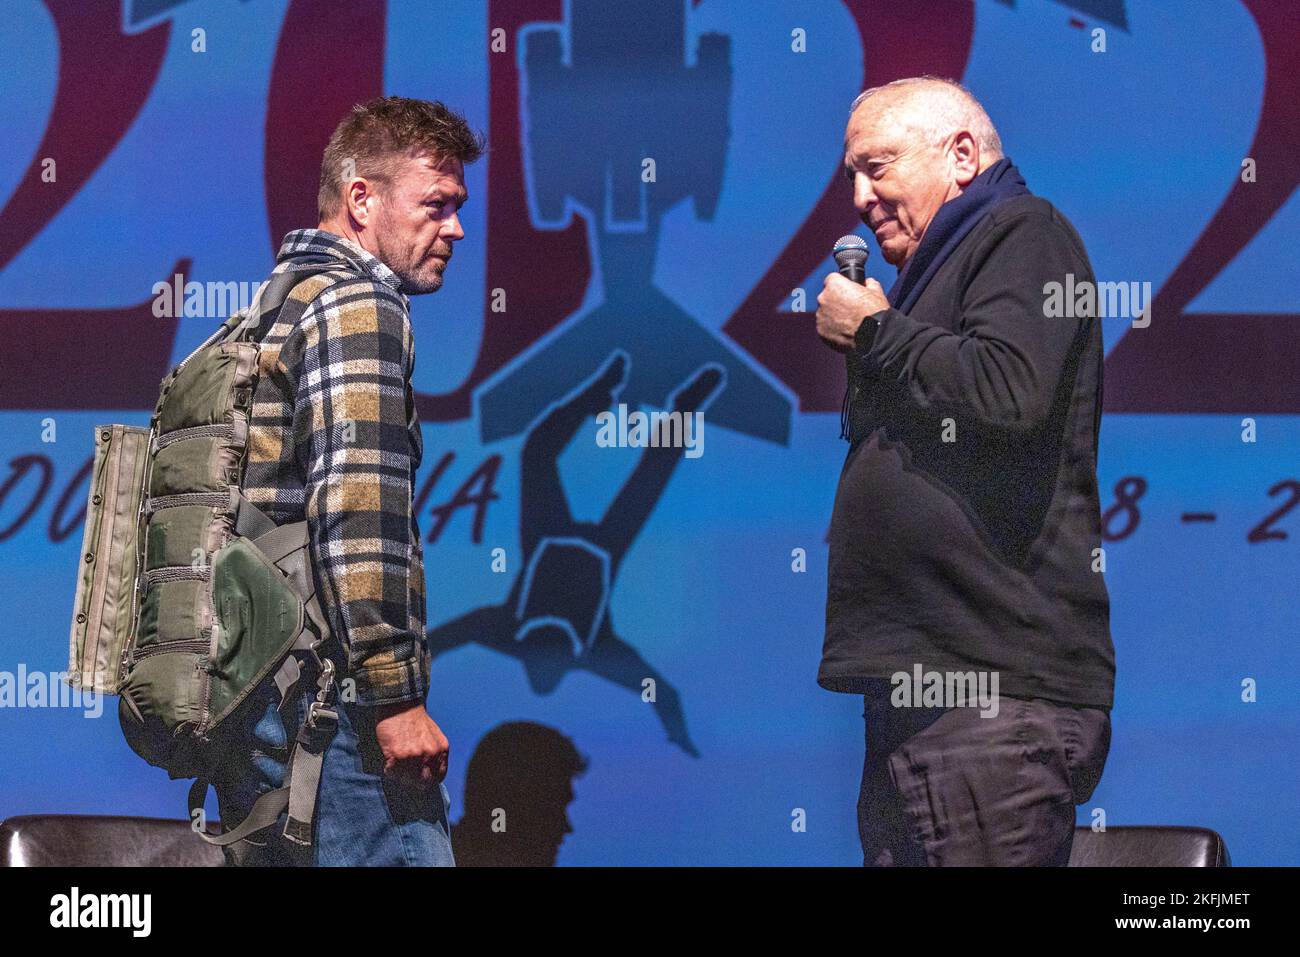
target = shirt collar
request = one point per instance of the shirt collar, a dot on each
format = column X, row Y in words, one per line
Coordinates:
column 319, row 242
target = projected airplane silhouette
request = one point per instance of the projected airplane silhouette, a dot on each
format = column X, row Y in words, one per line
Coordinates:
column 592, row 124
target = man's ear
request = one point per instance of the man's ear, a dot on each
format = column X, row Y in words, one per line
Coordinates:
column 358, row 198
column 965, row 156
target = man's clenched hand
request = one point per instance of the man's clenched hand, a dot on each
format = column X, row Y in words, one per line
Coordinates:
column 841, row 307
column 413, row 745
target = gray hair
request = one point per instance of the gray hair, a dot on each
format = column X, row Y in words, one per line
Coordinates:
column 945, row 106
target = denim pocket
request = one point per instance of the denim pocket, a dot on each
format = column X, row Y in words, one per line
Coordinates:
column 269, row 733
column 268, row 747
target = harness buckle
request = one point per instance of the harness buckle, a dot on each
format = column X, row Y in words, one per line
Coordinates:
column 317, row 711
column 320, row 709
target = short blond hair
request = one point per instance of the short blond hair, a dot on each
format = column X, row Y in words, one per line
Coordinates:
column 373, row 138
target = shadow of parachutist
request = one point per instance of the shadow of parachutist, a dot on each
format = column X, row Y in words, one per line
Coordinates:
column 556, row 617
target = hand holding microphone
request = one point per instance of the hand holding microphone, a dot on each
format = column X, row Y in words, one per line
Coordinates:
column 848, row 296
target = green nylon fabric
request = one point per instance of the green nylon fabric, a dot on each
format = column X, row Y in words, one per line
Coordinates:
column 166, row 690
column 245, row 613
column 171, row 612
column 201, row 393
column 194, row 465
column 258, row 617
column 174, row 534
column 107, row 572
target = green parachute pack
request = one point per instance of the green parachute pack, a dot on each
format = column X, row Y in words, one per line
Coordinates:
column 189, row 598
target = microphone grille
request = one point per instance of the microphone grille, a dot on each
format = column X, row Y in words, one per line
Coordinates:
column 850, row 249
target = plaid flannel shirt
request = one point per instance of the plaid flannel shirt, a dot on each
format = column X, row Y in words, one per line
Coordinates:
column 334, row 439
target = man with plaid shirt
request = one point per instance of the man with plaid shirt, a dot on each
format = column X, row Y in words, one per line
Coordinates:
column 334, row 439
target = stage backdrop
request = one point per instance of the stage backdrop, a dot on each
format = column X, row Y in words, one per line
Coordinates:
column 662, row 190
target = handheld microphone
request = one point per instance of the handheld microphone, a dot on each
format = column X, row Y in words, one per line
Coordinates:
column 851, row 254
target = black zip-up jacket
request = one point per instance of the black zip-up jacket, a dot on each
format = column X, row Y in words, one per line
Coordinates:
column 977, row 553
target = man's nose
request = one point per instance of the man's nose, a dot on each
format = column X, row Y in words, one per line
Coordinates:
column 454, row 225
column 864, row 197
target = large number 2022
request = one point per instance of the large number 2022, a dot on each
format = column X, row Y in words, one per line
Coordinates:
column 1183, row 363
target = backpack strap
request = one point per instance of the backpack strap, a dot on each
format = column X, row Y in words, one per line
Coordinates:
column 271, row 296
column 299, row 792
column 286, row 546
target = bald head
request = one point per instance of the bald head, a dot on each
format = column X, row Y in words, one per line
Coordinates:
column 911, row 146
column 933, row 109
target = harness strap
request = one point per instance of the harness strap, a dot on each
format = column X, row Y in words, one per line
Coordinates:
column 314, row 736
column 280, row 543
column 266, row 809
column 305, row 768
column 303, row 774
column 250, row 521
column 271, row 295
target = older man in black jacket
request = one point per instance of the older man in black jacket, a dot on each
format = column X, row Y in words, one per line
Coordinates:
column 965, row 540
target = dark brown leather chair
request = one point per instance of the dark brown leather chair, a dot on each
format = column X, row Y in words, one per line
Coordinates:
column 70, row 840
column 1148, row 847
column 75, row 840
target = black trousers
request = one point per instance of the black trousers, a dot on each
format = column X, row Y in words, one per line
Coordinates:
column 949, row 787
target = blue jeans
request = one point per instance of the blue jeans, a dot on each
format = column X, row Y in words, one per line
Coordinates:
column 363, row 817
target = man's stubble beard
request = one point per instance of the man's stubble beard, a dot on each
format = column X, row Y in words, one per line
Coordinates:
column 415, row 285
column 416, row 278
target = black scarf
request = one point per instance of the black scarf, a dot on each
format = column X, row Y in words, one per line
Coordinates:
column 951, row 224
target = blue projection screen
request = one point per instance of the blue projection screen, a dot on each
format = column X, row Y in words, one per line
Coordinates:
column 171, row 144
